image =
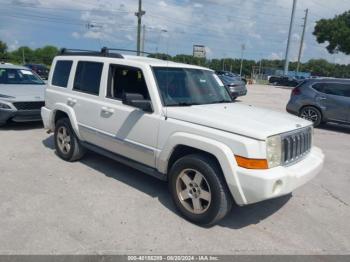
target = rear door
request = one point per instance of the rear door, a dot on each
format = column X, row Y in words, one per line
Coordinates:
column 335, row 98
column 84, row 97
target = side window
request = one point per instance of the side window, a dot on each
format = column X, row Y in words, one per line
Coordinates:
column 125, row 79
column 61, row 73
column 337, row 89
column 318, row 87
column 88, row 77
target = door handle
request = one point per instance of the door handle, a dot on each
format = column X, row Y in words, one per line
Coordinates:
column 107, row 110
column 71, row 101
column 322, row 98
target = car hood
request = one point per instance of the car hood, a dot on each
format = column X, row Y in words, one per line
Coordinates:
column 22, row 92
column 246, row 120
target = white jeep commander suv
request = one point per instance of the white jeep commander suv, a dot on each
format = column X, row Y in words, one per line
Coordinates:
column 178, row 123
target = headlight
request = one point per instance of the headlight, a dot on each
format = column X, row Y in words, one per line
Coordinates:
column 274, row 151
column 4, row 106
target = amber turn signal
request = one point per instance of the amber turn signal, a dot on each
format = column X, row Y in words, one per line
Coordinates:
column 251, row 163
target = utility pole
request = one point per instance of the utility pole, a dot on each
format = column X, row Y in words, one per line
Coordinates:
column 302, row 39
column 139, row 15
column 242, row 52
column 260, row 69
column 143, row 39
column 23, row 57
column 286, row 66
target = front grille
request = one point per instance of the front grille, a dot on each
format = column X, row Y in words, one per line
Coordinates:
column 29, row 105
column 296, row 145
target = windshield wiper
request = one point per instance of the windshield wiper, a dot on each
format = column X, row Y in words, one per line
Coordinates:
column 183, row 104
column 222, row 102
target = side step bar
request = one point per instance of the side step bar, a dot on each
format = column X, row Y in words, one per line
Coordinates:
column 126, row 161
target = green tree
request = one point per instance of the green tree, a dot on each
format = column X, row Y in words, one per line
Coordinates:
column 25, row 52
column 45, row 55
column 3, row 49
column 336, row 32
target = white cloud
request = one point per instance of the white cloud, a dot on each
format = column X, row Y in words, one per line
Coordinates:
column 14, row 45
column 162, row 4
column 197, row 5
column 275, row 56
column 26, row 2
column 218, row 24
column 76, row 35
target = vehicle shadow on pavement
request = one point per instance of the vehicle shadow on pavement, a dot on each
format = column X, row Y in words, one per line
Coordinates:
column 239, row 217
column 13, row 126
column 335, row 128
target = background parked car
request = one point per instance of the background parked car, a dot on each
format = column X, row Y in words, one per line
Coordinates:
column 284, row 81
column 21, row 94
column 230, row 74
column 322, row 100
column 41, row 70
column 235, row 86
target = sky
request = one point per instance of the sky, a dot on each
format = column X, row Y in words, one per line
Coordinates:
column 172, row 26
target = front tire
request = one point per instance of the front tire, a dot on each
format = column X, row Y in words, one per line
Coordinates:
column 312, row 114
column 199, row 190
column 67, row 144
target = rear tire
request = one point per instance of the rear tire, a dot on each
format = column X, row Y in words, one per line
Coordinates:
column 199, row 190
column 312, row 114
column 67, row 144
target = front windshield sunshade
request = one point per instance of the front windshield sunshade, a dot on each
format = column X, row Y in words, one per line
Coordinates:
column 186, row 87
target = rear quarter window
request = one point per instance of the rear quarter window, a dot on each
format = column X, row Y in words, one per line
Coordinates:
column 318, row 87
column 61, row 73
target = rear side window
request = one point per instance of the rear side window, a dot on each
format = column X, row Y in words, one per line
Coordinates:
column 61, row 73
column 337, row 89
column 88, row 77
column 318, row 87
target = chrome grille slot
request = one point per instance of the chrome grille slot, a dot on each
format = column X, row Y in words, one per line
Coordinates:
column 296, row 145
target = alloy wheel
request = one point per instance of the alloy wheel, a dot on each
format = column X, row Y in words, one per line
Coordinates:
column 310, row 114
column 64, row 140
column 193, row 191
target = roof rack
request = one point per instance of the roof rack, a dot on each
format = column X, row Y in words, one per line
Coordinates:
column 127, row 50
column 81, row 52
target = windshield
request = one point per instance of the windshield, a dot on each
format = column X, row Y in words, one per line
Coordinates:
column 185, row 87
column 11, row 76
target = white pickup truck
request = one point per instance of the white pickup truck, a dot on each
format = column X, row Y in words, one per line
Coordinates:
column 178, row 123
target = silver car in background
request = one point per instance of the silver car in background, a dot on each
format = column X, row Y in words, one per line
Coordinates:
column 234, row 85
column 21, row 94
column 322, row 100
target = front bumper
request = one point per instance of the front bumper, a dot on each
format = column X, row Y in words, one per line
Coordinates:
column 19, row 115
column 259, row 185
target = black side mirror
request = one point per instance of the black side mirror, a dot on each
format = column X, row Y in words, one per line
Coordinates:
column 138, row 101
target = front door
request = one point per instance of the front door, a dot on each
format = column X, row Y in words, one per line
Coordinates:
column 126, row 130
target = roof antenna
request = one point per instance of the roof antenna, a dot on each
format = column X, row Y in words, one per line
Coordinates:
column 104, row 50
